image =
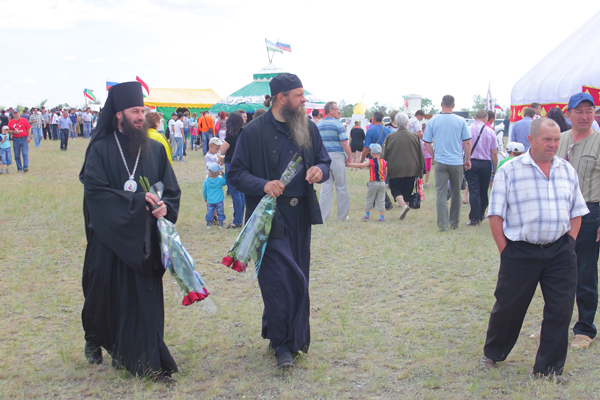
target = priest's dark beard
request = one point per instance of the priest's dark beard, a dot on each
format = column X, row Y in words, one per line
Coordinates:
column 136, row 138
column 297, row 123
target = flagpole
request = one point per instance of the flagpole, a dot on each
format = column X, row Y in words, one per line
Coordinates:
column 268, row 56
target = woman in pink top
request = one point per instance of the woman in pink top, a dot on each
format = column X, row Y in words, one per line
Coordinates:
column 221, row 126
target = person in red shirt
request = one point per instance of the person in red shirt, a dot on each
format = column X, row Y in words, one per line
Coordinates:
column 20, row 130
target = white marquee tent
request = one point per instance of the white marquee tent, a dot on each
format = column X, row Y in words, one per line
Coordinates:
column 573, row 66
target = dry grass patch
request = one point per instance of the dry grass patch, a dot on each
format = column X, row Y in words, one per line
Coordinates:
column 398, row 309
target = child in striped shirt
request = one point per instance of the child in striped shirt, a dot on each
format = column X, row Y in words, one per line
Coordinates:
column 376, row 184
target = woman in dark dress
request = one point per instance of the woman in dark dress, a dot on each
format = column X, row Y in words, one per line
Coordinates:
column 357, row 141
column 234, row 126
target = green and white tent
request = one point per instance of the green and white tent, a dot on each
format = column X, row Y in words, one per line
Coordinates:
column 251, row 97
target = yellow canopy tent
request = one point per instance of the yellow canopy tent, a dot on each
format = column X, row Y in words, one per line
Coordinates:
column 167, row 101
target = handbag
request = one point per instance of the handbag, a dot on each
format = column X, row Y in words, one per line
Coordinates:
column 415, row 198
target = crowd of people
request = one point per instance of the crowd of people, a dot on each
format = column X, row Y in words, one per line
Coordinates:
column 543, row 208
column 21, row 127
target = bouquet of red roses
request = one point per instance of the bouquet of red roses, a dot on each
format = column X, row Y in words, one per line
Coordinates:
column 176, row 259
column 252, row 240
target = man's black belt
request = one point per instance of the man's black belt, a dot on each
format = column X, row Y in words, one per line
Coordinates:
column 592, row 204
column 290, row 201
column 544, row 245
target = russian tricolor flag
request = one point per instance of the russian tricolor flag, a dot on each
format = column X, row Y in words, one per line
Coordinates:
column 284, row 46
column 497, row 107
column 110, row 84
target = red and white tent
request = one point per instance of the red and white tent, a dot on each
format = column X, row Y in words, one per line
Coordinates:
column 573, row 66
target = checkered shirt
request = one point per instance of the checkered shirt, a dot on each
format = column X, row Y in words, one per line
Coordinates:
column 536, row 209
column 36, row 121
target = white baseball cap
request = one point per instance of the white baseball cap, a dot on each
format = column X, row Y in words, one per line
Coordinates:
column 515, row 147
column 216, row 141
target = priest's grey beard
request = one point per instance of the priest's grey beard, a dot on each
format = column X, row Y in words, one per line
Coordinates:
column 297, row 123
column 136, row 138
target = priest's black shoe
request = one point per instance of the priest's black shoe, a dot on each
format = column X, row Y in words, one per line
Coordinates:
column 93, row 353
column 167, row 380
column 285, row 360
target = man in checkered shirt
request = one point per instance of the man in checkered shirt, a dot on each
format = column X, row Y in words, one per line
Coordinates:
column 535, row 215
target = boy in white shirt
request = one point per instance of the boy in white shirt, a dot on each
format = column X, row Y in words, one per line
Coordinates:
column 212, row 156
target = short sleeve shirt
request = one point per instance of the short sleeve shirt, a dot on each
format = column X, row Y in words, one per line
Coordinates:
column 65, row 123
column 584, row 156
column 20, row 126
column 534, row 208
column 486, row 143
column 177, row 127
column 376, row 135
column 414, row 125
column 333, row 134
column 6, row 144
column 447, row 131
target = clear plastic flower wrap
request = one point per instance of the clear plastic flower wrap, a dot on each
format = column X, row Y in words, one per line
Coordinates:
column 177, row 260
column 252, row 240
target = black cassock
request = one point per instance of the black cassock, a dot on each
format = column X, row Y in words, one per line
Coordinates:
column 262, row 153
column 122, row 272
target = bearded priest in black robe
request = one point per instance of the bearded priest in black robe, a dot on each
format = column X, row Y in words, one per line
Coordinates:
column 263, row 150
column 122, row 272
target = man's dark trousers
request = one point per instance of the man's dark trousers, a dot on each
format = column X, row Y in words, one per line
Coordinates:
column 478, row 178
column 522, row 266
column 46, row 132
column 587, row 272
column 64, row 138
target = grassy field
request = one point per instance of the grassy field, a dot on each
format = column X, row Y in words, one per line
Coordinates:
column 399, row 310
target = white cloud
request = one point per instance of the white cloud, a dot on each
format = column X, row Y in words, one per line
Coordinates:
column 69, row 58
column 8, row 86
column 64, row 74
column 29, row 81
column 99, row 60
column 125, row 58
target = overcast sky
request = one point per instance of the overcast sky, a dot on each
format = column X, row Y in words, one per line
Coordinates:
column 53, row 49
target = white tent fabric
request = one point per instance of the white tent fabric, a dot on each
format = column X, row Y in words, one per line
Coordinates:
column 572, row 64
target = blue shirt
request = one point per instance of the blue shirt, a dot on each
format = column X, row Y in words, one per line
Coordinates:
column 64, row 123
column 448, row 131
column 73, row 118
column 6, row 144
column 375, row 133
column 333, row 133
column 520, row 131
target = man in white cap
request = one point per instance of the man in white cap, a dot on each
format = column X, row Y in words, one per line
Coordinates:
column 514, row 149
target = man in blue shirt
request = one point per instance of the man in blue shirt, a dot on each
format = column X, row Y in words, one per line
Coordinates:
column 66, row 127
column 73, row 118
column 376, row 134
column 450, row 133
column 335, row 141
column 520, row 130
